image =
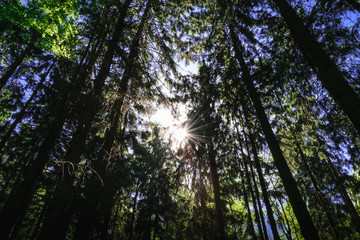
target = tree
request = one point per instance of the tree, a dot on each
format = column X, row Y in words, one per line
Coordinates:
column 328, row 73
column 267, row 142
column 308, row 229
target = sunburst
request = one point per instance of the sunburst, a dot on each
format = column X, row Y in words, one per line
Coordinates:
column 175, row 130
column 180, row 134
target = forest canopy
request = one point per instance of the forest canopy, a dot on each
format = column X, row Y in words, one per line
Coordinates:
column 269, row 147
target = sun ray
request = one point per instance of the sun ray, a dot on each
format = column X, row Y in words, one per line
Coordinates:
column 173, row 124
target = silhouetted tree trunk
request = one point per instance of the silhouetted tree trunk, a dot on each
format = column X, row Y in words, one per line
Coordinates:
column 328, row 73
column 92, row 199
column 301, row 212
column 245, row 195
column 345, row 196
column 322, row 199
column 22, row 112
column 105, row 211
column 38, row 224
column 340, row 185
column 63, row 190
column 260, row 174
column 287, row 228
column 12, row 68
column 107, row 202
column 251, row 225
column 256, row 210
column 21, row 194
column 35, row 232
column 216, row 185
column 257, row 194
column 114, row 221
column 133, row 214
column 203, row 207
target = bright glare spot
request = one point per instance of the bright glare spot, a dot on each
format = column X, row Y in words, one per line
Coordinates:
column 180, row 134
column 165, row 118
column 172, row 122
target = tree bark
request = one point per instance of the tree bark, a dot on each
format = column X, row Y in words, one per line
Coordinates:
column 301, row 212
column 21, row 194
column 106, row 206
column 305, row 161
column 321, row 197
column 328, row 73
column 107, row 202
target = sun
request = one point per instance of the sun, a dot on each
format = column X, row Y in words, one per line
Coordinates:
column 173, row 124
column 179, row 134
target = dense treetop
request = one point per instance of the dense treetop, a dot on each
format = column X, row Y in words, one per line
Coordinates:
column 269, row 148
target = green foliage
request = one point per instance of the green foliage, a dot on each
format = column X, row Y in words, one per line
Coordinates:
column 50, row 25
column 6, row 108
column 149, row 189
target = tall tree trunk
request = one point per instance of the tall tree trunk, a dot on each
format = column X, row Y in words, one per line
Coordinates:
column 257, row 194
column 235, row 224
column 345, row 196
column 340, row 185
column 37, row 227
column 106, row 211
column 301, row 212
column 206, row 110
column 92, row 197
column 251, row 174
column 328, row 73
column 114, row 221
column 216, row 186
column 321, row 197
column 22, row 112
column 257, row 215
column 18, row 60
column 133, row 214
column 252, row 229
column 56, row 210
column 21, row 194
column 338, row 180
column 250, row 221
column 260, row 174
column 287, row 228
column 203, row 210
column 107, row 202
